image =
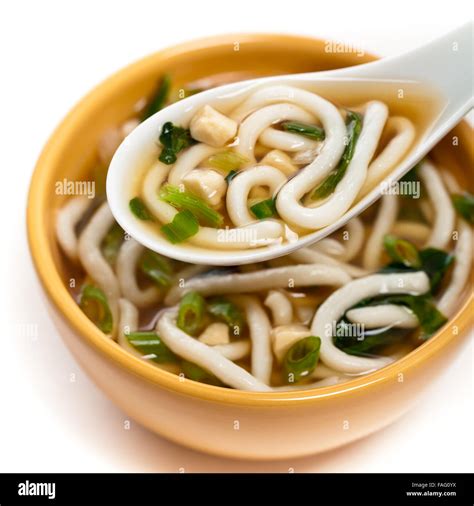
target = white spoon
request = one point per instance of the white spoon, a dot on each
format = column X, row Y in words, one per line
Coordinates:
column 443, row 66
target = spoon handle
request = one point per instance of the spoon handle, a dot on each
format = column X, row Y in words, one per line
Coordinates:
column 444, row 64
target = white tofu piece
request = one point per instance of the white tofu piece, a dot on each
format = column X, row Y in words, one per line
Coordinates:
column 208, row 184
column 284, row 336
column 215, row 333
column 212, row 127
column 305, row 314
column 280, row 161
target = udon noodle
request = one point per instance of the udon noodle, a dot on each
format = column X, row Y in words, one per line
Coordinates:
column 348, row 305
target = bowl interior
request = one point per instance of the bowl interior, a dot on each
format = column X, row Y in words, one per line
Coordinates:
column 72, row 152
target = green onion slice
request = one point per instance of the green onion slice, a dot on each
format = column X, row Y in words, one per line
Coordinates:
column 156, row 267
column 301, row 359
column 139, row 209
column 226, row 311
column 402, row 251
column 196, row 373
column 328, row 185
column 173, row 139
column 158, row 100
column 191, row 313
column 264, row 209
column 93, row 303
column 111, row 244
column 231, row 176
column 186, row 200
column 227, row 161
column 150, row 343
column 183, row 226
column 464, row 205
column 310, row 131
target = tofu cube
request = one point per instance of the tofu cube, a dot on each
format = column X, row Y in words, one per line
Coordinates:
column 212, row 127
column 215, row 333
column 284, row 336
column 280, row 161
column 208, row 184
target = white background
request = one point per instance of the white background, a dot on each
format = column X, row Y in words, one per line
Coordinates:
column 52, row 53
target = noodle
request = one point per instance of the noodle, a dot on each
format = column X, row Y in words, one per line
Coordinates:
column 204, row 356
column 92, row 259
column 383, row 224
column 336, row 304
column 280, row 277
column 127, row 260
column 444, row 212
column 66, row 222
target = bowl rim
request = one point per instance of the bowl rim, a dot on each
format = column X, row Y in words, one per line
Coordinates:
column 61, row 299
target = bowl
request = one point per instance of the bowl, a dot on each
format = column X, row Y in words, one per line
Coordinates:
column 211, row 419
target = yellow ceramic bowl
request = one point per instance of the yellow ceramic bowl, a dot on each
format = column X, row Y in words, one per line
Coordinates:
column 220, row 421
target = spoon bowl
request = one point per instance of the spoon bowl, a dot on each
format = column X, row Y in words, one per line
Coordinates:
column 434, row 73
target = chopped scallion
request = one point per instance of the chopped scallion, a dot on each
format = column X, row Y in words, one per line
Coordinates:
column 94, row 304
column 139, row 209
column 156, row 267
column 264, row 209
column 227, row 161
column 183, row 226
column 301, row 359
column 150, row 343
column 226, row 311
column 196, row 373
column 310, row 131
column 402, row 251
column 185, row 200
column 111, row 243
column 191, row 313
column 231, row 176
column 328, row 185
